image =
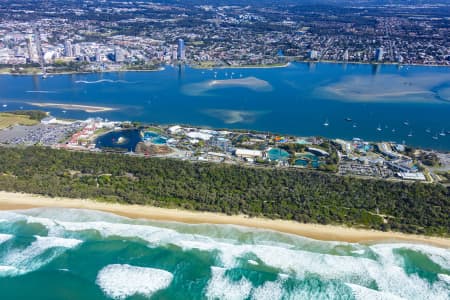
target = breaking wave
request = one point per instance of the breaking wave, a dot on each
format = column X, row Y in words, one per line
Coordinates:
column 301, row 266
column 122, row 281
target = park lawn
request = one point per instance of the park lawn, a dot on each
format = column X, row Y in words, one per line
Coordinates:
column 7, row 120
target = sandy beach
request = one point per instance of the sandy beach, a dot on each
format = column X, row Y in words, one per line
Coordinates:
column 86, row 108
column 14, row 201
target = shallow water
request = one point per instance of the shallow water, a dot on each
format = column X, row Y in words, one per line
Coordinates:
column 82, row 254
column 297, row 99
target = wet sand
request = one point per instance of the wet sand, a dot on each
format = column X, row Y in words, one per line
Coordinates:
column 13, row 201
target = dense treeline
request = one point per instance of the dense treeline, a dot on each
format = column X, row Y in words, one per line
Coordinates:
column 305, row 196
column 37, row 115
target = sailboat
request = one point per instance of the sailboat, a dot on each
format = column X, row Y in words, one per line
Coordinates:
column 410, row 134
column 326, row 123
column 379, row 128
column 406, row 123
column 442, row 133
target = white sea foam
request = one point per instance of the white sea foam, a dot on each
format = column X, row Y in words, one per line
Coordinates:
column 221, row 287
column 386, row 270
column 122, row 281
column 363, row 293
column 102, row 80
column 437, row 255
column 444, row 277
column 5, row 237
column 27, row 260
column 270, row 290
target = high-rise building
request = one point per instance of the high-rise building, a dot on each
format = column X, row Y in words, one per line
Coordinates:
column 68, row 51
column 76, row 50
column 181, row 51
column 379, row 54
column 313, row 54
column 32, row 51
column 98, row 56
column 119, row 55
column 345, row 56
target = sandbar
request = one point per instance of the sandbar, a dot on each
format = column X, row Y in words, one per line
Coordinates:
column 86, row 108
column 14, row 201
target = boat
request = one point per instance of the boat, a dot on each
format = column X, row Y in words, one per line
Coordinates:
column 428, row 130
column 348, row 119
column 379, row 128
column 5, row 105
column 44, row 76
column 434, row 137
column 64, row 111
column 442, row 133
column 410, row 134
column 354, row 126
column 326, row 123
column 393, row 129
column 406, row 123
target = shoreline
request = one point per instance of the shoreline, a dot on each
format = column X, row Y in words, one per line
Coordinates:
column 197, row 67
column 86, row 108
column 16, row 201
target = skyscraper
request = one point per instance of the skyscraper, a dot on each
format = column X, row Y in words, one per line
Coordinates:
column 68, row 51
column 32, row 51
column 119, row 56
column 313, row 54
column 345, row 56
column 379, row 54
column 76, row 50
column 181, row 51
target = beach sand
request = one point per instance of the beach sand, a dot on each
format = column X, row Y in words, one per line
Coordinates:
column 13, row 201
column 86, row 108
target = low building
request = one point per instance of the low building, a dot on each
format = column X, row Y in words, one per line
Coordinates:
column 411, row 176
column 318, row 151
column 247, row 153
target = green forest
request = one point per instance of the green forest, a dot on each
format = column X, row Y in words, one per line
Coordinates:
column 301, row 195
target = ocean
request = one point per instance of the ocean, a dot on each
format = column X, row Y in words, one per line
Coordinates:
column 408, row 104
column 55, row 253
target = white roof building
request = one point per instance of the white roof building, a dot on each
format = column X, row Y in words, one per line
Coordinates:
column 247, row 153
column 412, row 176
column 199, row 135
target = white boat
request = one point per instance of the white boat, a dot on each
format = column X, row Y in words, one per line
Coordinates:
column 410, row 134
column 354, row 126
column 5, row 105
column 428, row 130
column 406, row 123
column 326, row 123
column 442, row 133
column 393, row 129
column 434, row 137
column 379, row 128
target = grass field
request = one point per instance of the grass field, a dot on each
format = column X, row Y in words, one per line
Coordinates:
column 7, row 120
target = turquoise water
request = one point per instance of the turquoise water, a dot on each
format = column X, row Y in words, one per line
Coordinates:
column 82, row 254
column 154, row 138
column 278, row 154
column 297, row 99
